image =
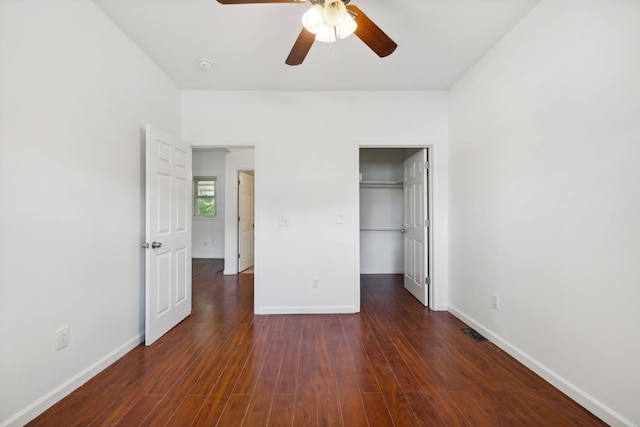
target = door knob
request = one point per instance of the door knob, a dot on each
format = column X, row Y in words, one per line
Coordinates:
column 156, row 245
column 403, row 230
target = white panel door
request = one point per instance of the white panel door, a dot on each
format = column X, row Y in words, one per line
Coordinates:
column 416, row 223
column 168, row 233
column 245, row 220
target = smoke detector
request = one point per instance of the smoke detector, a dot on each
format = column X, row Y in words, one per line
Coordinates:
column 205, row 63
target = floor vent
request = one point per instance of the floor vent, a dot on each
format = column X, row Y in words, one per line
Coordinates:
column 474, row 334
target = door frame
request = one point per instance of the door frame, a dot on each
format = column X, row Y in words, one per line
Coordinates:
column 429, row 201
column 230, row 218
column 252, row 173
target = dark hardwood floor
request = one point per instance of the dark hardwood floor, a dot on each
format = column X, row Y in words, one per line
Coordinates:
column 394, row 364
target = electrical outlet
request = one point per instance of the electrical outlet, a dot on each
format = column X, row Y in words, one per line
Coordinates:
column 495, row 302
column 62, row 338
column 283, row 221
column 315, row 283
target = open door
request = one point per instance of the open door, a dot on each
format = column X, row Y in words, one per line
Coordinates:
column 168, row 233
column 246, row 221
column 416, row 226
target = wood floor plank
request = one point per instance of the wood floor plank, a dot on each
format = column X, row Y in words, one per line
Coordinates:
column 210, row 412
column 384, row 333
column 141, row 410
column 422, row 406
column 258, row 410
column 376, row 408
column 264, row 391
column 288, row 378
column 180, row 391
column 329, row 414
column 234, row 411
column 282, row 410
column 186, row 411
column 472, row 409
column 353, row 411
column 574, row 412
column 397, row 404
column 447, row 410
column 306, row 409
column 367, row 381
column 534, row 401
column 217, row 367
column 326, row 378
column 250, row 373
column 395, row 363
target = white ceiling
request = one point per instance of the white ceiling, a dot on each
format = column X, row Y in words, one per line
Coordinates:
column 437, row 41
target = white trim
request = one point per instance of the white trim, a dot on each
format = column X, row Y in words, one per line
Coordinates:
column 589, row 402
column 37, row 407
column 338, row 309
column 356, row 228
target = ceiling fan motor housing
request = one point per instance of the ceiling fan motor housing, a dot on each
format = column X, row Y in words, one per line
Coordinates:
column 322, row 2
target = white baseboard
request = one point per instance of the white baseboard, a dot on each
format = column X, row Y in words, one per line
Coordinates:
column 54, row 396
column 589, row 402
column 346, row 309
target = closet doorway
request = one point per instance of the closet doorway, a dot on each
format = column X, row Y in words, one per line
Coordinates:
column 395, row 216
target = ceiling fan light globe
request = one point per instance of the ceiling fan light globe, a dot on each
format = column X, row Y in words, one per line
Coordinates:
column 335, row 12
column 327, row 34
column 313, row 19
column 347, row 27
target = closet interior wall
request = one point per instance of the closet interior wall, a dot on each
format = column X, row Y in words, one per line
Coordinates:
column 382, row 209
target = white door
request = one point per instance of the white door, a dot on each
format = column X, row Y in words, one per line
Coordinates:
column 168, row 233
column 416, row 226
column 245, row 220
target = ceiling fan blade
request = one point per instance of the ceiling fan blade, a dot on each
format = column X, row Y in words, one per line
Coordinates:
column 300, row 48
column 371, row 34
column 259, row 1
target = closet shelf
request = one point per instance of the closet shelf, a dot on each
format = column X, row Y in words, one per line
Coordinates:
column 381, row 184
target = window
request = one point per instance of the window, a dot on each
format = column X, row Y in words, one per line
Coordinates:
column 204, row 196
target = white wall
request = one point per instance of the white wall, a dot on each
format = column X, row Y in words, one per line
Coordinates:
column 75, row 95
column 545, row 142
column 208, row 233
column 306, row 162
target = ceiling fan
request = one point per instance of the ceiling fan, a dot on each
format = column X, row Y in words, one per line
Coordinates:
column 329, row 20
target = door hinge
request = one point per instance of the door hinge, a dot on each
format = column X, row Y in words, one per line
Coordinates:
column 427, row 281
column 238, row 256
column 427, row 222
column 426, row 165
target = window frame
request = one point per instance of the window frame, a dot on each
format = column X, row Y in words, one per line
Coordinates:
column 196, row 180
